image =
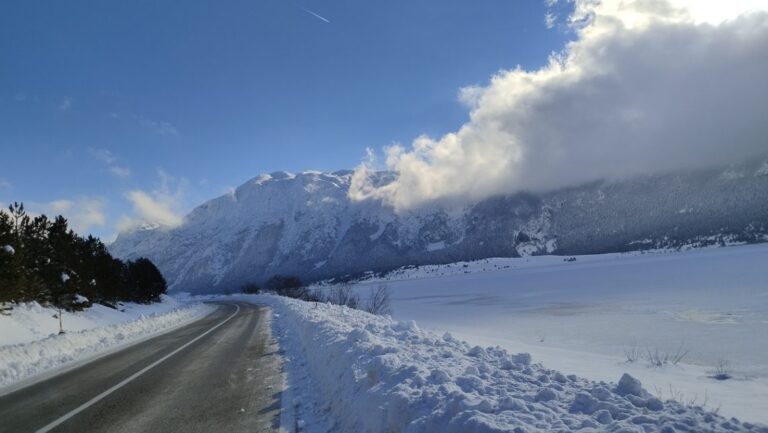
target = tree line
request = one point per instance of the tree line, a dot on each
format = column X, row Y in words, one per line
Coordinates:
column 44, row 260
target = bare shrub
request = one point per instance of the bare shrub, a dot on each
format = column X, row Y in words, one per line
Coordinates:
column 317, row 295
column 659, row 358
column 677, row 395
column 722, row 370
column 378, row 301
column 289, row 286
column 342, row 294
column 632, row 353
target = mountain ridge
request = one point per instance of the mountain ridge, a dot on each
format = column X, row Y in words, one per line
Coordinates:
column 304, row 224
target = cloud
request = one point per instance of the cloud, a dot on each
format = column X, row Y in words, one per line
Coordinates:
column 549, row 20
column 4, row 184
column 110, row 160
column 646, row 86
column 120, row 171
column 83, row 214
column 157, row 126
column 153, row 210
column 103, row 155
column 65, row 104
column 159, row 207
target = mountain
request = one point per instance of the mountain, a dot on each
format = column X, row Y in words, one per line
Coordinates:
column 305, row 225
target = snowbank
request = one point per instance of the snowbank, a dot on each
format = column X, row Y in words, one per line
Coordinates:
column 582, row 316
column 88, row 333
column 353, row 372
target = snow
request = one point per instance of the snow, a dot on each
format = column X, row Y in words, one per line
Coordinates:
column 30, row 343
column 436, row 246
column 763, row 170
column 582, row 316
column 378, row 233
column 349, row 371
column 283, row 223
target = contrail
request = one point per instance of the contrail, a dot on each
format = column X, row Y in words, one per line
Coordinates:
column 314, row 14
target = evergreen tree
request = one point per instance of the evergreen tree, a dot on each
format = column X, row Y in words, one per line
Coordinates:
column 145, row 281
column 9, row 269
column 45, row 261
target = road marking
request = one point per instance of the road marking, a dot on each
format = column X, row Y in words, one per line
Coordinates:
column 124, row 382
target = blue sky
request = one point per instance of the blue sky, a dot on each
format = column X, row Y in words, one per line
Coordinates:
column 180, row 101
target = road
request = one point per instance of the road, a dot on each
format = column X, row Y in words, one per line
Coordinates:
column 218, row 374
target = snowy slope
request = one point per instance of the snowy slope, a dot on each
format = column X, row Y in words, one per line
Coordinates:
column 304, row 224
column 349, row 371
column 30, row 343
column 582, row 316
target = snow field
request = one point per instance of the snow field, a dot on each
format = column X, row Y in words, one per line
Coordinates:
column 582, row 316
column 89, row 333
column 350, row 371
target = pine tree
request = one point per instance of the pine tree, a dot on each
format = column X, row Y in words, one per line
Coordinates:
column 49, row 263
column 9, row 269
column 145, row 281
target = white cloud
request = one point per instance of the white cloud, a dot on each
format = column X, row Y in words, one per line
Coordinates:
column 549, row 20
column 4, row 184
column 161, row 206
column 120, row 171
column 158, row 126
column 60, row 206
column 103, row 155
column 108, row 158
column 65, row 104
column 647, row 86
column 83, row 214
column 153, row 209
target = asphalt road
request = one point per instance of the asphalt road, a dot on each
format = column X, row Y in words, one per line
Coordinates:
column 218, row 374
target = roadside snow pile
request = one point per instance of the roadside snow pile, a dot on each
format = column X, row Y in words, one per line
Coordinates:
column 373, row 374
column 23, row 360
column 31, row 321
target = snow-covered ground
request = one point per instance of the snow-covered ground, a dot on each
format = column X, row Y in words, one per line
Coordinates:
column 30, row 343
column 349, row 371
column 582, row 317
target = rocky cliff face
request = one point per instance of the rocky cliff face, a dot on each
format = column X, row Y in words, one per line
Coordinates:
column 305, row 225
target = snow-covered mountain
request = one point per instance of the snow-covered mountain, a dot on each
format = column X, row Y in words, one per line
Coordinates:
column 305, row 225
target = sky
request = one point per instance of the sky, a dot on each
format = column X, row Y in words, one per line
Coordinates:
column 115, row 112
column 119, row 113
column 645, row 87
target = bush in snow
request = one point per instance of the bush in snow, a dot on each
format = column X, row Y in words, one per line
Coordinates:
column 378, row 301
column 288, row 285
column 632, row 353
column 659, row 358
column 722, row 370
column 250, row 288
column 342, row 294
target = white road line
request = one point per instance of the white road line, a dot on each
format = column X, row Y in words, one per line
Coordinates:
column 101, row 396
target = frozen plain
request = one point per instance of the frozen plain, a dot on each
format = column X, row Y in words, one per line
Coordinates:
column 581, row 317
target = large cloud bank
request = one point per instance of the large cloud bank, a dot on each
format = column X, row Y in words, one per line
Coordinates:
column 646, row 86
